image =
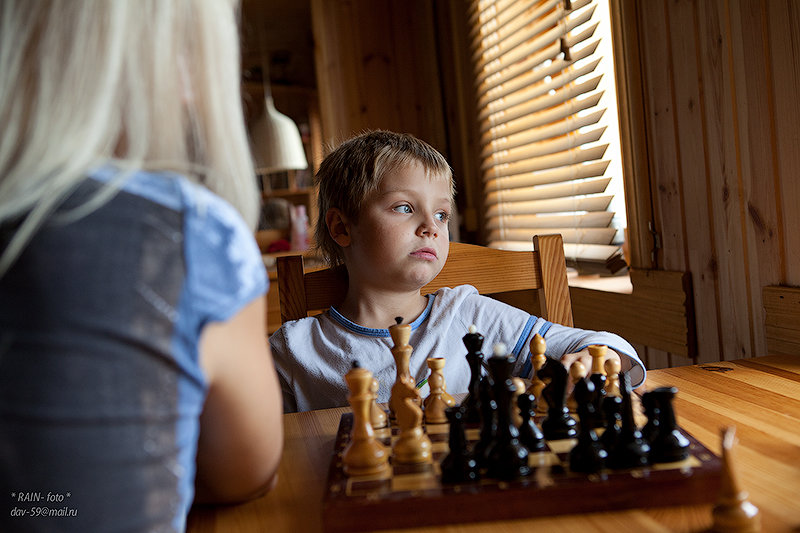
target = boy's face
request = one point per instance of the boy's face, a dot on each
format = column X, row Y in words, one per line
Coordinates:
column 401, row 240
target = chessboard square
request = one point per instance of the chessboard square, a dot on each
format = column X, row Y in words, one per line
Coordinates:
column 562, row 446
column 400, row 469
column 439, row 438
column 437, row 429
column 440, row 447
column 414, row 482
column 365, row 485
column 367, row 478
column 539, row 459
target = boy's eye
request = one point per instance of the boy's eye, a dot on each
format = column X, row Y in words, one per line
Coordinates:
column 442, row 216
column 405, row 208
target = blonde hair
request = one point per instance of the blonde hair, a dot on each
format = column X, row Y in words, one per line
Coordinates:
column 148, row 84
column 353, row 170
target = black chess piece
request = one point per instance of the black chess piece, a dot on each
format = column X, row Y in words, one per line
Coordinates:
column 651, row 411
column 631, row 450
column 599, row 382
column 590, row 415
column 669, row 444
column 612, row 409
column 529, row 433
column 488, row 412
column 458, row 466
column 507, row 458
column 588, row 455
column 474, row 343
column 558, row 424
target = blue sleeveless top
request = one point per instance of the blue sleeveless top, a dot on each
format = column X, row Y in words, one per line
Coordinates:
column 100, row 384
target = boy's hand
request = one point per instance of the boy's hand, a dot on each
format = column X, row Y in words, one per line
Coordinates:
column 584, row 357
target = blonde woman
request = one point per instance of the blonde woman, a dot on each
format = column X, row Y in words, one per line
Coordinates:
column 132, row 327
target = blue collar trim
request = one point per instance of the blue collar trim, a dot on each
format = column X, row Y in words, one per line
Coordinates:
column 379, row 332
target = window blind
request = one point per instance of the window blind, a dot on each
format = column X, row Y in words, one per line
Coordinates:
column 543, row 127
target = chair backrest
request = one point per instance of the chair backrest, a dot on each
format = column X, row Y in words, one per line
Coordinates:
column 491, row 271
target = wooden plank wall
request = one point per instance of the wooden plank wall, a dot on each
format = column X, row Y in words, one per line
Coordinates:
column 377, row 67
column 721, row 81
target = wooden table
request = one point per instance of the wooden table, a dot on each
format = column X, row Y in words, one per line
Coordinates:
column 760, row 396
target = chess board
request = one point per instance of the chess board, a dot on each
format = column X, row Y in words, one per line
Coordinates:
column 412, row 496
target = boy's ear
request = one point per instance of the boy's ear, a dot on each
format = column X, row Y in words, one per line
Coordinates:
column 338, row 226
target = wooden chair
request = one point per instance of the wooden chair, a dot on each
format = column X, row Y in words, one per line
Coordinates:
column 492, row 272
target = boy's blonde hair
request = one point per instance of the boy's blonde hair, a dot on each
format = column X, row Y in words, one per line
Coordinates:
column 135, row 84
column 355, row 169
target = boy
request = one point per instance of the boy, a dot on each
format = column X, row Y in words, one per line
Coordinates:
column 384, row 203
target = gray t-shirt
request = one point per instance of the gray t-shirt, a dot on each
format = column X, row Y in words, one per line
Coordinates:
column 313, row 354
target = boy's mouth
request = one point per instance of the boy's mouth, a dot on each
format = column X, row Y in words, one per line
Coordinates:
column 428, row 254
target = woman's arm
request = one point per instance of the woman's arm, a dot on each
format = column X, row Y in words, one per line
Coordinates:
column 241, row 429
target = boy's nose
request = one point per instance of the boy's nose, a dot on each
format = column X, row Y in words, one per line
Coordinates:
column 429, row 227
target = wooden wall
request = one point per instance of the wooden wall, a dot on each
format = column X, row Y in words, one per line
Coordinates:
column 716, row 131
column 377, row 67
column 720, row 86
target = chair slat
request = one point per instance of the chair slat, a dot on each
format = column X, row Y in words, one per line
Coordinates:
column 490, row 271
column 554, row 300
column 291, row 287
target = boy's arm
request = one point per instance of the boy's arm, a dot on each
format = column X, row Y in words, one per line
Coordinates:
column 571, row 344
column 586, row 359
column 241, row 429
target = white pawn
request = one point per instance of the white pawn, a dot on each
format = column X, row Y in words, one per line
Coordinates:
column 519, row 388
column 377, row 415
column 612, row 368
column 577, row 371
column 438, row 400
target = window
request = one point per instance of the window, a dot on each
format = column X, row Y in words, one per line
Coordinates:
column 549, row 138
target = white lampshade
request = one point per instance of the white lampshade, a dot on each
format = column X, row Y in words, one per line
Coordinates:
column 277, row 145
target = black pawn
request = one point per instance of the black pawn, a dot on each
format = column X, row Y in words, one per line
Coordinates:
column 458, row 466
column 558, row 424
column 529, row 433
column 631, row 450
column 588, row 455
column 508, row 458
column 612, row 409
column 474, row 344
column 669, row 444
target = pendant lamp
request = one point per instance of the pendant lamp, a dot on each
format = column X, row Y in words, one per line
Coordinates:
column 276, row 142
column 277, row 145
